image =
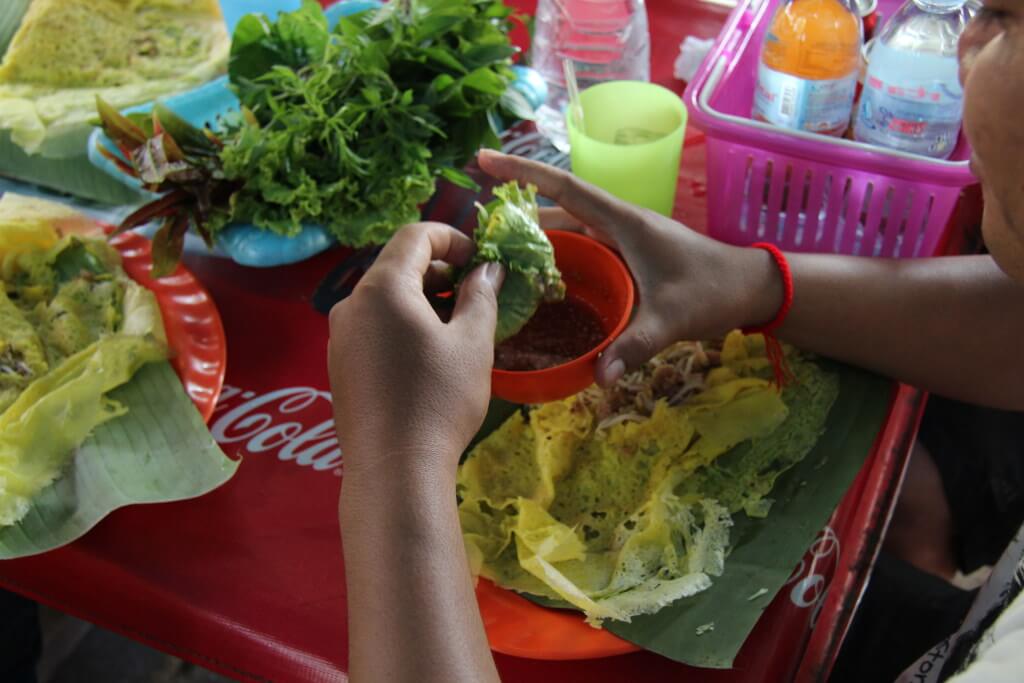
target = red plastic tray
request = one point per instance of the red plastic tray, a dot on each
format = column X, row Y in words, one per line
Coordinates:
column 249, row 581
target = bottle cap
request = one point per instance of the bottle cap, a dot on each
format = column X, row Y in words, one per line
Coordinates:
column 865, row 7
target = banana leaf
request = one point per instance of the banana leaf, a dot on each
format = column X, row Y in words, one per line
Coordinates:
column 74, row 175
column 11, row 14
column 764, row 551
column 159, row 451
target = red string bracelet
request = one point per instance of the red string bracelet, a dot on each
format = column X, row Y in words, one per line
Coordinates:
column 772, row 346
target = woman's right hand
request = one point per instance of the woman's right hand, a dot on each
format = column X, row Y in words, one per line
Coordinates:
column 690, row 286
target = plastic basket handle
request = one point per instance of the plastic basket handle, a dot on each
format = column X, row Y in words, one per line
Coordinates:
column 726, row 47
column 741, row 18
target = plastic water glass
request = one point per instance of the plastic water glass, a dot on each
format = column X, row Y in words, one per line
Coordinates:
column 606, row 40
column 633, row 142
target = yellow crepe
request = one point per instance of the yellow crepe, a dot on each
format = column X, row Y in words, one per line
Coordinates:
column 28, row 224
column 611, row 521
column 66, row 52
column 73, row 326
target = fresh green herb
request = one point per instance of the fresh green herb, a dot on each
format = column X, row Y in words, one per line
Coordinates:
column 347, row 128
column 509, row 232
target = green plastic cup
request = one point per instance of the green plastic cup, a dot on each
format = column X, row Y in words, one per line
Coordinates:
column 633, row 141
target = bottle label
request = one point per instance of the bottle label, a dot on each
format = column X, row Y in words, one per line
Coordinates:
column 816, row 106
column 918, row 114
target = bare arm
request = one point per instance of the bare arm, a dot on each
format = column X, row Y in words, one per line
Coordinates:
column 409, row 393
column 412, row 611
column 954, row 326
column 950, row 325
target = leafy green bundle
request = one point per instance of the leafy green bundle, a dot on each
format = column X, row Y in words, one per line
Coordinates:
column 509, row 232
column 347, row 128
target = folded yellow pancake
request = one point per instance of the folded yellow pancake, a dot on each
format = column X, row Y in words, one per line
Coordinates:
column 66, row 52
column 73, row 326
column 624, row 519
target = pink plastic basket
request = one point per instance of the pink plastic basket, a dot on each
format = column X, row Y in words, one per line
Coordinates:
column 807, row 192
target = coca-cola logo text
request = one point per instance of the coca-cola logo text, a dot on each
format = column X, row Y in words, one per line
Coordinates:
column 812, row 576
column 293, row 423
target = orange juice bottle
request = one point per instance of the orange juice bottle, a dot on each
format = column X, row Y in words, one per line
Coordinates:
column 809, row 63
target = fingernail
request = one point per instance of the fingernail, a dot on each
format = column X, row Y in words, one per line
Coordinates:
column 494, row 274
column 615, row 370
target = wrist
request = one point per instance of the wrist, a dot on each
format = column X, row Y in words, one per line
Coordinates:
column 410, row 472
column 413, row 504
column 763, row 284
column 394, row 453
column 394, row 473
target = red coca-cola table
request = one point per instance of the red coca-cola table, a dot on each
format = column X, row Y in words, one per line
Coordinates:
column 249, row 581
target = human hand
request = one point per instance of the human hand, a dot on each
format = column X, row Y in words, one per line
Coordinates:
column 690, row 286
column 410, row 390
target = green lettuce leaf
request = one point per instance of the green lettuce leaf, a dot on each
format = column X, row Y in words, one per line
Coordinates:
column 294, row 40
column 509, row 233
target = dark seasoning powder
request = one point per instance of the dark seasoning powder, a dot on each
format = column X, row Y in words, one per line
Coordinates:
column 557, row 333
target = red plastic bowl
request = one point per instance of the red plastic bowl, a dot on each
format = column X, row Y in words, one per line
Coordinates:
column 595, row 276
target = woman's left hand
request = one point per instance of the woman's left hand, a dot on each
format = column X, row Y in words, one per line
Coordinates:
column 406, row 385
column 410, row 391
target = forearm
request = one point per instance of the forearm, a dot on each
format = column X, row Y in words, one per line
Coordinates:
column 948, row 325
column 412, row 611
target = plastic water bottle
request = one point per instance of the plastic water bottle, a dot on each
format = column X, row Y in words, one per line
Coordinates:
column 809, row 64
column 607, row 40
column 912, row 99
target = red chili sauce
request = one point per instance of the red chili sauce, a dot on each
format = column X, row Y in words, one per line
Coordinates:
column 557, row 333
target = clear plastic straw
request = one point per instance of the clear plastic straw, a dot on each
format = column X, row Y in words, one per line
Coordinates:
column 574, row 94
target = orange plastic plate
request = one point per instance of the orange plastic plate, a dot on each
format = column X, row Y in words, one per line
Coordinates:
column 515, row 626
column 195, row 333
